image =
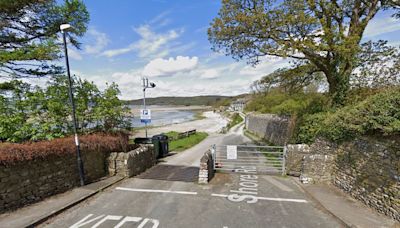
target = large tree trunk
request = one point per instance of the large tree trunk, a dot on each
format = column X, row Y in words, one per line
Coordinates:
column 339, row 85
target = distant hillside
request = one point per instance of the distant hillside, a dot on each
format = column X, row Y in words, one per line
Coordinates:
column 197, row 100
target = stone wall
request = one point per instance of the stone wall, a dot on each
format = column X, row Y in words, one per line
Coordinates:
column 317, row 168
column 367, row 169
column 206, row 172
column 273, row 128
column 28, row 182
column 294, row 158
column 131, row 163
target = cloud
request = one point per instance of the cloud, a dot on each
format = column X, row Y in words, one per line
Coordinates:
column 209, row 74
column 161, row 19
column 267, row 65
column 74, row 54
column 163, row 67
column 101, row 41
column 150, row 43
column 381, row 26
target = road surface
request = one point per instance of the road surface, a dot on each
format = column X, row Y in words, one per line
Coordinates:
column 167, row 195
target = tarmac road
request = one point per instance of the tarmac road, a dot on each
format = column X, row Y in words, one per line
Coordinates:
column 167, row 195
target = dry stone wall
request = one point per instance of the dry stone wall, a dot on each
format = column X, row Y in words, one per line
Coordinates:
column 367, row 169
column 273, row 128
column 206, row 171
column 131, row 163
column 294, row 158
column 28, row 182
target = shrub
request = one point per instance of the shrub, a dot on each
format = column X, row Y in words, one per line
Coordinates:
column 12, row 152
column 235, row 120
column 288, row 104
column 309, row 127
column 377, row 114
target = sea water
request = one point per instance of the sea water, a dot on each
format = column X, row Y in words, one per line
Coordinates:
column 165, row 117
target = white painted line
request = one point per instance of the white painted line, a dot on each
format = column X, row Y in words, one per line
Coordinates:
column 220, row 195
column 283, row 199
column 269, row 198
column 155, row 191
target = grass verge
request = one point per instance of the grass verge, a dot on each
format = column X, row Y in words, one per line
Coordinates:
column 235, row 120
column 185, row 143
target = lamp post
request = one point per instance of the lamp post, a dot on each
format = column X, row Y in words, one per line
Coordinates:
column 146, row 85
column 63, row 27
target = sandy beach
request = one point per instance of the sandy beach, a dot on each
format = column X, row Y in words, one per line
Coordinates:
column 213, row 123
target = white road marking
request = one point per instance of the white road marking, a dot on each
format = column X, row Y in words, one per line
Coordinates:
column 128, row 219
column 108, row 217
column 220, row 195
column 155, row 191
column 269, row 198
column 283, row 199
column 103, row 218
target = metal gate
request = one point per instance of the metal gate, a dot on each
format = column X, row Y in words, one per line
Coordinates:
column 249, row 159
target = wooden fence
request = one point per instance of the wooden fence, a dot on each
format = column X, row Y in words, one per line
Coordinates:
column 182, row 135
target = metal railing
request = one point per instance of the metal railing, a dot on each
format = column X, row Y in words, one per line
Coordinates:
column 263, row 159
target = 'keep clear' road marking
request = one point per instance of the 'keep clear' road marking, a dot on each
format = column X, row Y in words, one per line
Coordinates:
column 126, row 219
column 155, row 190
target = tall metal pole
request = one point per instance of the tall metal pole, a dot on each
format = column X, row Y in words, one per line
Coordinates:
column 71, row 98
column 144, row 104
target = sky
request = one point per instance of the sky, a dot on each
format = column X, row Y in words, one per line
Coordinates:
column 166, row 41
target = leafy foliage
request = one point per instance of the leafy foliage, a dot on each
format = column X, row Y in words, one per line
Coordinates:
column 235, row 120
column 324, row 34
column 291, row 80
column 33, row 113
column 282, row 103
column 11, row 153
column 28, row 34
column 378, row 65
column 378, row 114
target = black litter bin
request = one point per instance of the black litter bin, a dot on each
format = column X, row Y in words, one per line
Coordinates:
column 160, row 143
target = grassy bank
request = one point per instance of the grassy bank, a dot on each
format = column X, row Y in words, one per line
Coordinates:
column 235, row 120
column 185, row 143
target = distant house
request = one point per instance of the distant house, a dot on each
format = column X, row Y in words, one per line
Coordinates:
column 238, row 105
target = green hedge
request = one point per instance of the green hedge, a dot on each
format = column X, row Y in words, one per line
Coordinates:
column 378, row 114
column 280, row 103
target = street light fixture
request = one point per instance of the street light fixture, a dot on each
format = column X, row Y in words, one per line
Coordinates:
column 64, row 27
column 146, row 85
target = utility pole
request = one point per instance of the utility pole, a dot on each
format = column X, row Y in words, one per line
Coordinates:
column 63, row 27
column 145, row 86
column 145, row 83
